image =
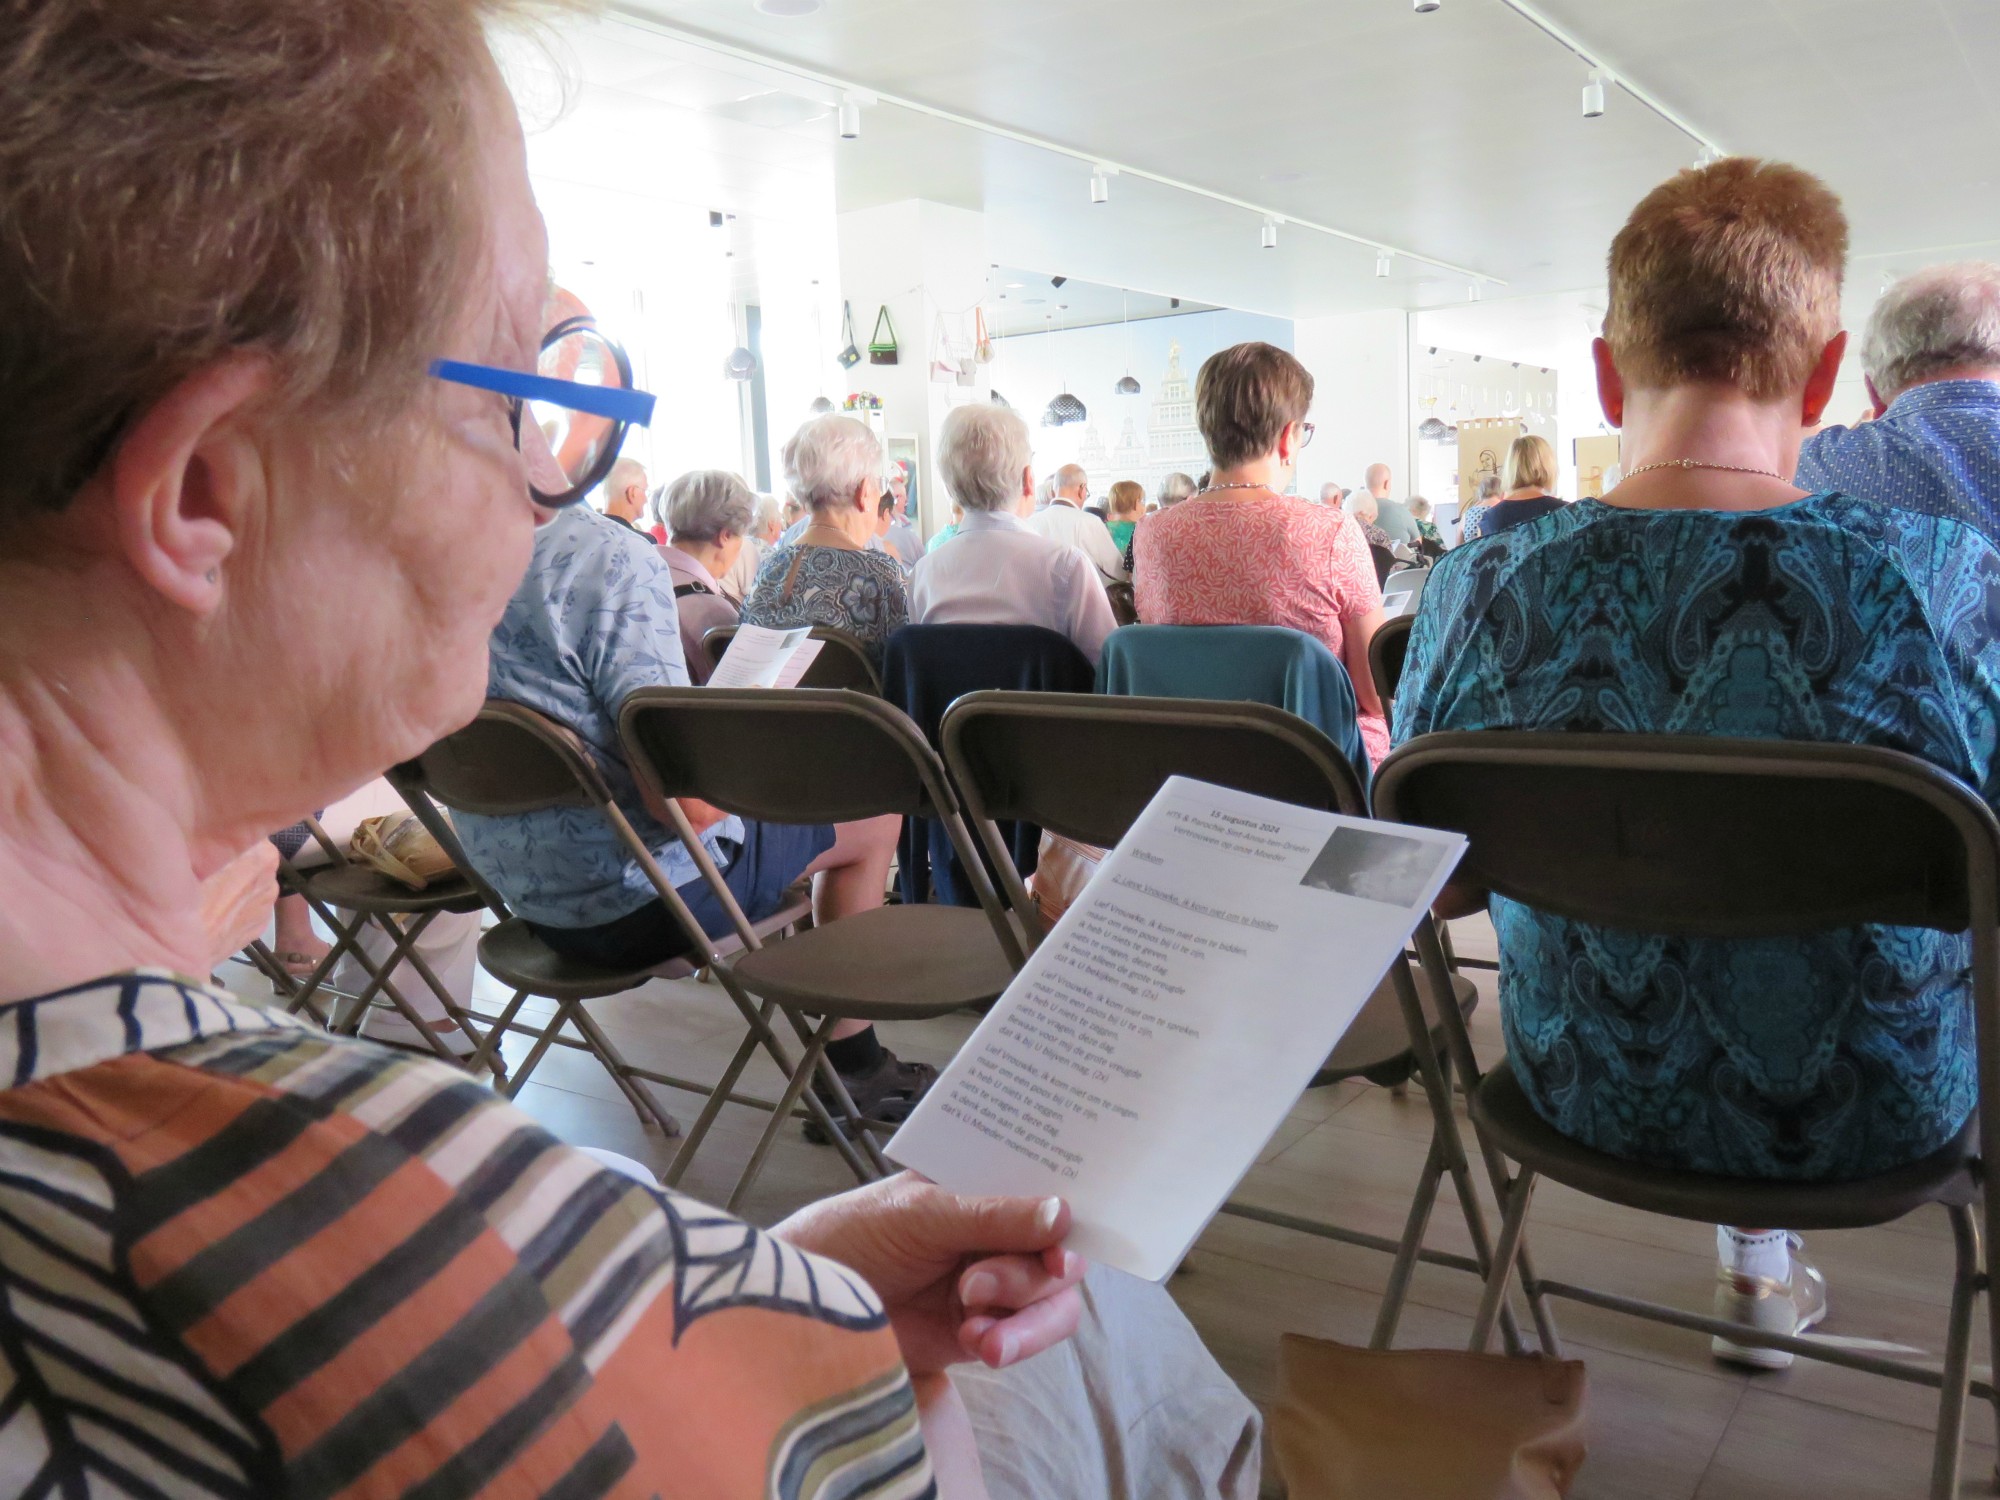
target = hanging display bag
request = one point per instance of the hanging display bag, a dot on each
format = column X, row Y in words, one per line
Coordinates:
column 982, row 341
column 882, row 347
column 944, row 364
column 849, row 355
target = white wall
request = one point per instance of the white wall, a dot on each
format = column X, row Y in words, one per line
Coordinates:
column 1360, row 364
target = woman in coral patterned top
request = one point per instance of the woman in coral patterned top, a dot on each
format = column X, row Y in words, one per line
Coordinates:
column 1242, row 552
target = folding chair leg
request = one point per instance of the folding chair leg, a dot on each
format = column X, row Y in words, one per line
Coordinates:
column 1406, row 1252
column 639, row 1096
column 487, row 1053
column 1515, row 1222
column 801, row 1076
column 1948, row 1455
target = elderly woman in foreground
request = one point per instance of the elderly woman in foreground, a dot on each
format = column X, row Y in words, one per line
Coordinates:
column 996, row 571
column 827, row 574
column 1705, row 594
column 302, row 1264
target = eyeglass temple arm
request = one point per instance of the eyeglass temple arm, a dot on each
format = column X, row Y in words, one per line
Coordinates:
column 633, row 407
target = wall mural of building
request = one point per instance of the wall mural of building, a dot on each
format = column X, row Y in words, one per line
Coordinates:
column 1144, row 437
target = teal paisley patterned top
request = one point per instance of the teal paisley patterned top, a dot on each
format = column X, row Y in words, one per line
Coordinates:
column 1822, row 1057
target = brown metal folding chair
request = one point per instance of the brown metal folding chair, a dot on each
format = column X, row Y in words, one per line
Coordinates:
column 825, row 756
column 1014, row 756
column 511, row 761
column 843, row 661
column 1388, row 648
column 1722, row 838
column 349, row 897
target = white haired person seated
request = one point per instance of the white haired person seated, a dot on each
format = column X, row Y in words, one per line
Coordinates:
column 594, row 619
column 709, row 514
column 244, row 1257
column 996, row 571
column 764, row 533
column 828, row 574
column 1931, row 356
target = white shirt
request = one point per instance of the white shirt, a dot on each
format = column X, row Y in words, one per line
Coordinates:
column 1062, row 521
column 999, row 571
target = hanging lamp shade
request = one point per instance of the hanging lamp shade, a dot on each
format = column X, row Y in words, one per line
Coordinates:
column 740, row 365
column 821, row 406
column 1127, row 386
column 997, row 399
column 1063, row 410
column 1431, row 430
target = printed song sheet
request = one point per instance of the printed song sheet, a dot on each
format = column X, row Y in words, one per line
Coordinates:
column 762, row 657
column 1162, row 1031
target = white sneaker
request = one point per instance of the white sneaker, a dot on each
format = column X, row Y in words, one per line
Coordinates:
column 386, row 1025
column 1791, row 1306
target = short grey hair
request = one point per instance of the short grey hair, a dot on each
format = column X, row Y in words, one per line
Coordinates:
column 1364, row 505
column 624, row 474
column 700, row 506
column 1942, row 319
column 770, row 512
column 1331, row 493
column 982, row 453
column 1174, row 489
column 1070, row 475
column 828, row 458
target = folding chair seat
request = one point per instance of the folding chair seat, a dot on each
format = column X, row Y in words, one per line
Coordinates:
column 1716, row 838
column 511, row 761
column 826, row 756
column 1012, row 755
column 368, row 897
column 843, row 661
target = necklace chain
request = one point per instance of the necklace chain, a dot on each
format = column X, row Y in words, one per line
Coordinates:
column 1252, row 485
column 1701, row 463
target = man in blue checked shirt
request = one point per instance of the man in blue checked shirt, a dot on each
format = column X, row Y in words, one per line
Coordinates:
column 1932, row 358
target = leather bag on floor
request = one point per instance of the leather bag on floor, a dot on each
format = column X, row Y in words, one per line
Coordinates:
column 1425, row 1424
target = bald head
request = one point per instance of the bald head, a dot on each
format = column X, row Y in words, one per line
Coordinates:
column 1377, row 480
column 625, row 490
column 1072, row 483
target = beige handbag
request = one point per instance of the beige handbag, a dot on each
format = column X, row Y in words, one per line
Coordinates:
column 1063, row 867
column 1425, row 1424
column 401, row 848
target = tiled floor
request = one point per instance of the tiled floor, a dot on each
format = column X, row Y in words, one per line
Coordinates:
column 1667, row 1423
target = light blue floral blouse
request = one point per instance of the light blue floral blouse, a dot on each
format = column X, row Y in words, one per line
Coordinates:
column 859, row 592
column 592, row 620
column 1817, row 1058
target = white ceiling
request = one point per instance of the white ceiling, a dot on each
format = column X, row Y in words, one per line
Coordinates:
column 1456, row 135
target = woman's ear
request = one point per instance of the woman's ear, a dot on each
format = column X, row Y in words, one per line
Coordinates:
column 1819, row 384
column 1610, row 384
column 187, row 479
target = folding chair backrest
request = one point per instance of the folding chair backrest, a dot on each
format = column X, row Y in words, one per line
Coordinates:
column 1388, row 649
column 843, row 661
column 508, row 761
column 1124, row 603
column 1086, row 767
column 1705, row 837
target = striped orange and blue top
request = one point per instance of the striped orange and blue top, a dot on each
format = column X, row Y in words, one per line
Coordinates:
column 242, row 1258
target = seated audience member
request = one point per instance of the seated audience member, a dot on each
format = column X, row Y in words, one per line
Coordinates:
column 946, row 533
column 1243, row 552
column 764, row 533
column 1365, row 509
column 1065, row 520
column 1331, row 494
column 1722, row 600
column 709, row 512
column 997, row 571
column 1174, row 489
column 279, row 1263
column 625, row 494
column 1429, row 540
column 827, row 574
column 1531, row 475
column 902, row 540
column 1932, row 359
column 1490, row 491
column 1127, row 505
column 1392, row 516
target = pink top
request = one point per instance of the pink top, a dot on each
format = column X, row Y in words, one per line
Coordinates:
column 1261, row 560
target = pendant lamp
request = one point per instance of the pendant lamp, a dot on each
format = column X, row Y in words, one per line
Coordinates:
column 1064, row 408
column 1128, row 384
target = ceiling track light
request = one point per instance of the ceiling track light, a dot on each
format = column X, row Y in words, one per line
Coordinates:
column 1710, row 155
column 1425, row 7
column 1474, row 292
column 850, row 118
column 1384, row 263
column 1593, row 95
column 1100, row 182
column 1269, row 237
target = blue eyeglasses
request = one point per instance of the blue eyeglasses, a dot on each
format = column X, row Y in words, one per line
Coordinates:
column 578, row 424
